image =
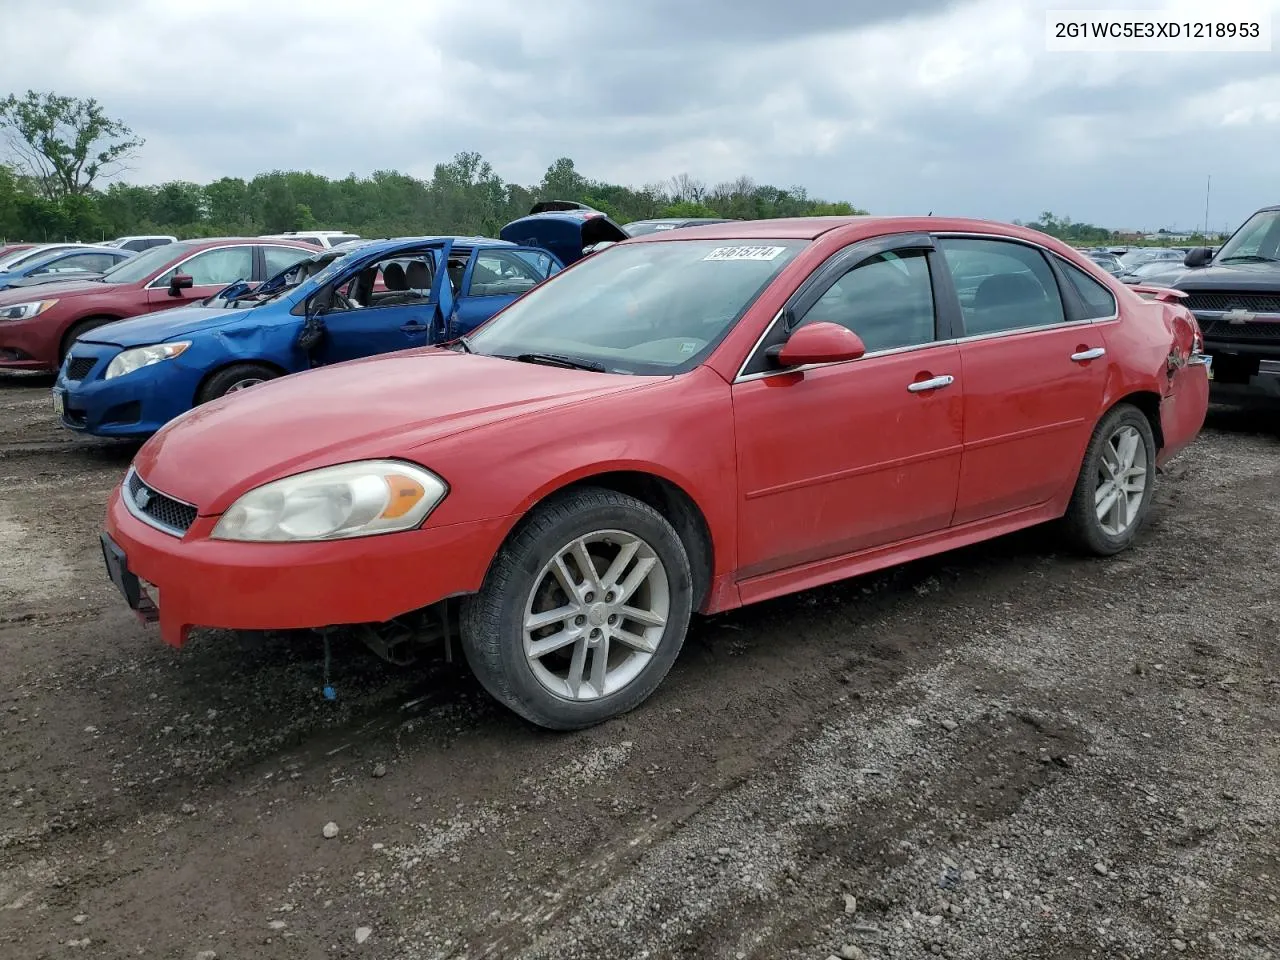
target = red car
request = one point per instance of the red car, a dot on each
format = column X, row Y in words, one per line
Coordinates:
column 39, row 324
column 686, row 422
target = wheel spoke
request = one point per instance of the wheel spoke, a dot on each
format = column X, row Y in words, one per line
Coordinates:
column 600, row 665
column 1106, row 504
column 1103, row 491
column 561, row 572
column 1128, row 447
column 1119, row 513
column 636, row 577
column 635, row 641
column 585, row 564
column 536, row 621
column 620, row 563
column 647, row 617
column 557, row 641
column 576, row 669
column 1110, row 461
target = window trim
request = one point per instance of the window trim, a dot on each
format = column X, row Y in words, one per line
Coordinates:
column 151, row 284
column 1069, row 298
column 812, row 288
column 1058, row 261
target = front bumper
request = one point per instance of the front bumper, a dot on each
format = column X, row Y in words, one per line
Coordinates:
column 136, row 405
column 1263, row 385
column 28, row 344
column 288, row 586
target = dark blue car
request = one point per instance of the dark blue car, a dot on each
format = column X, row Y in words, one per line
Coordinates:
column 129, row 378
column 69, row 263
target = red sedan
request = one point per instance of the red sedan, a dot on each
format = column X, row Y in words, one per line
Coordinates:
column 687, row 422
column 39, row 324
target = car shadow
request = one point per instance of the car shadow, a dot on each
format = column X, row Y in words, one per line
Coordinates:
column 1257, row 419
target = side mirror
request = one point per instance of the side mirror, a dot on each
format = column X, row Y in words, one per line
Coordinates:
column 821, row 342
column 179, row 282
column 1197, row 257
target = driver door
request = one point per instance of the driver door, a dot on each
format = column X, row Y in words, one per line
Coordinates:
column 839, row 458
column 495, row 278
column 396, row 302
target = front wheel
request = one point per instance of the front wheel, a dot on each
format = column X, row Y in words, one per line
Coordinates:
column 583, row 611
column 233, row 379
column 1117, row 478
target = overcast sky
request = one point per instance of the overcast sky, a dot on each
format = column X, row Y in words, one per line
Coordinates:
column 899, row 106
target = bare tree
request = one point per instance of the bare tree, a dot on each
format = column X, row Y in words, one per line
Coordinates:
column 65, row 144
column 687, row 189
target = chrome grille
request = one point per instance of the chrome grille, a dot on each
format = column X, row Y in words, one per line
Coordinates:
column 150, row 505
column 1252, row 302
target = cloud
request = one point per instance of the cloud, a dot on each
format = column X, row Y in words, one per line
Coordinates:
column 899, row 107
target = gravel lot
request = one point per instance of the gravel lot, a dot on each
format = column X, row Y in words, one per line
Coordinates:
column 1006, row 752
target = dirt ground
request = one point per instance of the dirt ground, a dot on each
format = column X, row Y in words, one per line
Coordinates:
column 1006, row 752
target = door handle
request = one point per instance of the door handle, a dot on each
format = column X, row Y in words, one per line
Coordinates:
column 414, row 327
column 935, row 383
column 1093, row 354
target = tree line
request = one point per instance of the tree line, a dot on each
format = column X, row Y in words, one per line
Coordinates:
column 62, row 149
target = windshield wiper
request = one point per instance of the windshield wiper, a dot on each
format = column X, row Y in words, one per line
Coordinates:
column 459, row 342
column 558, row 360
column 1250, row 258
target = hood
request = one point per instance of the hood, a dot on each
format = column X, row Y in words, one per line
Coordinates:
column 59, row 289
column 564, row 233
column 386, row 406
column 42, row 281
column 1259, row 277
column 163, row 325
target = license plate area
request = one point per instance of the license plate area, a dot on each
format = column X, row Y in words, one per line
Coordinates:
column 146, row 606
column 59, row 402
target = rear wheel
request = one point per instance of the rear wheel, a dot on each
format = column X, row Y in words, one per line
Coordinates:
column 583, row 611
column 233, row 379
column 1113, row 491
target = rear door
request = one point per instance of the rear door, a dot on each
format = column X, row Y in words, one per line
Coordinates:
column 494, row 278
column 1035, row 372
column 210, row 271
column 395, row 302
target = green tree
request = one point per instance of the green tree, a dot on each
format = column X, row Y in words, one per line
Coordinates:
column 65, row 144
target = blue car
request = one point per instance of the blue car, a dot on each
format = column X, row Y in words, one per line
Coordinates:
column 69, row 263
column 129, row 378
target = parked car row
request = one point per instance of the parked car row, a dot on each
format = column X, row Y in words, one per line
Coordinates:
column 583, row 454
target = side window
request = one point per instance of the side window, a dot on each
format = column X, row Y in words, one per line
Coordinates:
column 886, row 300
column 282, row 258
column 397, row 281
column 506, row 273
column 1098, row 300
column 211, row 267
column 1002, row 285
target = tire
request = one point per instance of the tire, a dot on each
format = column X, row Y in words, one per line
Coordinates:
column 1082, row 524
column 496, row 644
column 79, row 328
column 237, row 377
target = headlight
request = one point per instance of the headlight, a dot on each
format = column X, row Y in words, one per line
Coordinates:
column 25, row 311
column 335, row 503
column 140, row 357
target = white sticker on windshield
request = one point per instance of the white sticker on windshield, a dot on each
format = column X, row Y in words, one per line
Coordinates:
column 688, row 346
column 744, row 253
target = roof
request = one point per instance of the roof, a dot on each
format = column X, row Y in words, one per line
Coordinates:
column 810, row 228
column 394, row 243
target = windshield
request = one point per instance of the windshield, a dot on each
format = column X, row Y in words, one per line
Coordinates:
column 283, row 282
column 646, row 308
column 142, row 265
column 1259, row 238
